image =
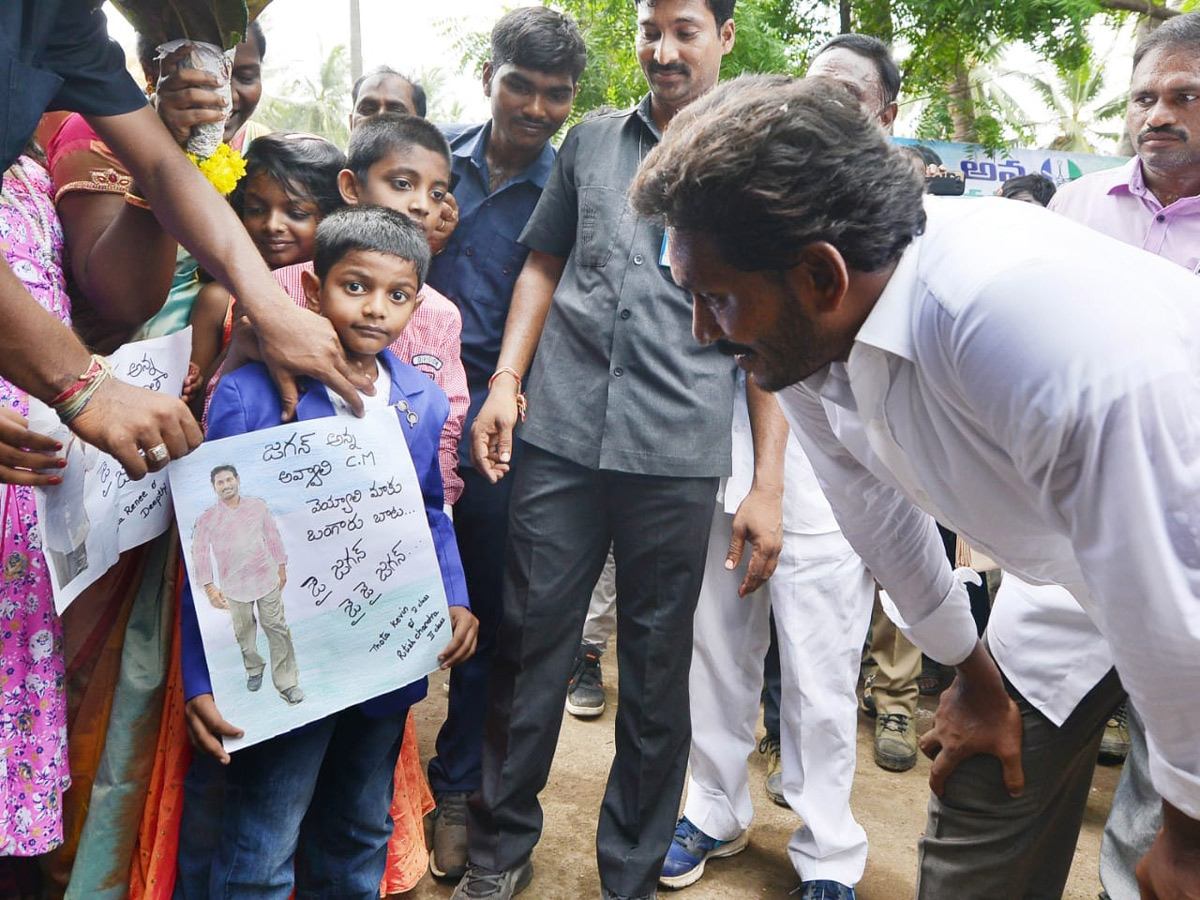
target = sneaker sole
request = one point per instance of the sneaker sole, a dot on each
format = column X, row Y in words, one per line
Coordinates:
column 778, row 799
column 734, row 847
column 896, row 763
column 444, row 876
column 584, row 712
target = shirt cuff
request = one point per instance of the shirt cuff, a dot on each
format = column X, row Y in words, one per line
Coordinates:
column 947, row 632
column 1178, row 787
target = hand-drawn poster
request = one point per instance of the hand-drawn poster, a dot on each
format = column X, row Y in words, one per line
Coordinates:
column 97, row 512
column 313, row 572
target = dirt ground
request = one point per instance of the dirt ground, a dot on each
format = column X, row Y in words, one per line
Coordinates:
column 890, row 806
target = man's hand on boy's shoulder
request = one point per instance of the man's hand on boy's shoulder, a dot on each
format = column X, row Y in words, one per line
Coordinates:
column 206, row 727
column 465, row 631
column 295, row 342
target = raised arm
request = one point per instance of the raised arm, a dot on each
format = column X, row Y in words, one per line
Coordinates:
column 491, row 432
column 294, row 342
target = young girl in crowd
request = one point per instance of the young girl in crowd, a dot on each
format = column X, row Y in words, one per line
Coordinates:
column 289, row 186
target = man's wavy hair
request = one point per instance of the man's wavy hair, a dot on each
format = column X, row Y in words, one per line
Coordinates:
column 765, row 165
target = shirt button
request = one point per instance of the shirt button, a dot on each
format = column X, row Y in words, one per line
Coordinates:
column 618, row 371
column 625, row 314
column 638, row 259
column 1160, row 218
column 470, row 251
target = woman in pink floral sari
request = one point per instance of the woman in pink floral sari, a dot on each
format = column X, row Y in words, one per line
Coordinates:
column 33, row 717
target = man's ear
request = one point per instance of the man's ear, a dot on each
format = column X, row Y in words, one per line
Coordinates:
column 727, row 33
column 488, row 72
column 347, row 183
column 312, row 290
column 888, row 117
column 820, row 273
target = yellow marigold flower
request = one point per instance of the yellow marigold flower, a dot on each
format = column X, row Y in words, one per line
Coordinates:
column 223, row 169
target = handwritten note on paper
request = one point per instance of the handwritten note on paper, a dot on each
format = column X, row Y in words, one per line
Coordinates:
column 97, row 513
column 314, row 575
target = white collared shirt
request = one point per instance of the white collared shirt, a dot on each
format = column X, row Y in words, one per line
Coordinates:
column 1036, row 387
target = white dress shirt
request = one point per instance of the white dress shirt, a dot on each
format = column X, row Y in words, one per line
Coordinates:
column 1035, row 386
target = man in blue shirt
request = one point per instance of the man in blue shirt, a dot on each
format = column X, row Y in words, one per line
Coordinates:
column 498, row 171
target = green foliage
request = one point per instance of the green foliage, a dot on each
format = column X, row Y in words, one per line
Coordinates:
column 318, row 104
column 221, row 22
column 772, row 36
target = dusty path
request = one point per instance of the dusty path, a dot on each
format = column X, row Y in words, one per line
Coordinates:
column 891, row 808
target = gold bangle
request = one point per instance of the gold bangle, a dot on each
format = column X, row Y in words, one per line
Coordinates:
column 134, row 200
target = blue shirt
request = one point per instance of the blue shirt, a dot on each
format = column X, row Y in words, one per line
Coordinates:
column 483, row 258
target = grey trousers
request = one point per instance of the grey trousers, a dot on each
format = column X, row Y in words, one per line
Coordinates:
column 1133, row 821
column 562, row 519
column 279, row 638
column 981, row 844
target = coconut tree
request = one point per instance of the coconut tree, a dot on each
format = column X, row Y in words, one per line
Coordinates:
column 1074, row 98
column 318, row 103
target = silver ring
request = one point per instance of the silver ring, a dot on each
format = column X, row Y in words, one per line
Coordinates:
column 158, row 453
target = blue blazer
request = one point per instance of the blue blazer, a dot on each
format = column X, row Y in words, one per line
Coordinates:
column 246, row 400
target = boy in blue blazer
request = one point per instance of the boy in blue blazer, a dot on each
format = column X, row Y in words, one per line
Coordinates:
column 309, row 809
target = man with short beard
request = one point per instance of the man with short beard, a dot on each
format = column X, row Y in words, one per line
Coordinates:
column 1019, row 398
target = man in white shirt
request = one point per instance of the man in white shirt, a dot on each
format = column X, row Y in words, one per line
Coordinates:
column 1152, row 202
column 979, row 362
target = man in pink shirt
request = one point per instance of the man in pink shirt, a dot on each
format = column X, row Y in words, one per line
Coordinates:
column 1153, row 201
column 241, row 535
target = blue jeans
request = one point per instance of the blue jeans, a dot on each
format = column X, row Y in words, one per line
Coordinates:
column 309, row 809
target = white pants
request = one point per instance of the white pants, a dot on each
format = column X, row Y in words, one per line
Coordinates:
column 601, row 619
column 821, row 595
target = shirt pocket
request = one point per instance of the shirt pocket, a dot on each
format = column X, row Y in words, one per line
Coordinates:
column 602, row 212
column 502, row 263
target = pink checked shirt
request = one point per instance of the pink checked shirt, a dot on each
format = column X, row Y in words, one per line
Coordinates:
column 1118, row 203
column 431, row 343
column 247, row 546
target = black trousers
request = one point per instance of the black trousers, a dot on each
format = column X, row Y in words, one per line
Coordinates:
column 562, row 518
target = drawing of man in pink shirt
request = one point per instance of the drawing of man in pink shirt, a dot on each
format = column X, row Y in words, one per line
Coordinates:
column 240, row 534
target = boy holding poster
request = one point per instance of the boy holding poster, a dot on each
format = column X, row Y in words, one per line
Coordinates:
column 310, row 807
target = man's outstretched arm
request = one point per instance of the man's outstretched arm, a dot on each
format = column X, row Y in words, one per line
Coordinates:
column 293, row 341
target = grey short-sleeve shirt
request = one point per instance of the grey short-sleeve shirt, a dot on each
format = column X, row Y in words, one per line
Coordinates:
column 618, row 381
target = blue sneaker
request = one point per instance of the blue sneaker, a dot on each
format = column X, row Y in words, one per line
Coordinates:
column 824, row 890
column 690, row 848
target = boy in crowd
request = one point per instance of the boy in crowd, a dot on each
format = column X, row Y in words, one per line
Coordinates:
column 369, row 267
column 498, row 171
column 402, row 162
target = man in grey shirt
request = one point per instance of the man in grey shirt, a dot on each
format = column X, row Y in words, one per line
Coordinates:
column 628, row 434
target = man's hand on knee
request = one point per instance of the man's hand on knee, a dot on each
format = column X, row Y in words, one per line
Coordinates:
column 975, row 715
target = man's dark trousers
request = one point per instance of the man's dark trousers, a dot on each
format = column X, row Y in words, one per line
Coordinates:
column 562, row 518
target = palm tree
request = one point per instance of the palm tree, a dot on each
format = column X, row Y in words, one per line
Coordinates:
column 1073, row 97
column 319, row 105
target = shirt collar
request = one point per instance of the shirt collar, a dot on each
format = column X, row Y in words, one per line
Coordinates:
column 889, row 325
column 644, row 113
column 1128, row 179
column 473, row 147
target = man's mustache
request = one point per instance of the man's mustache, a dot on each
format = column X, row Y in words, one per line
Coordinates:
column 1163, row 129
column 678, row 68
column 729, row 348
